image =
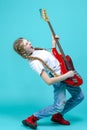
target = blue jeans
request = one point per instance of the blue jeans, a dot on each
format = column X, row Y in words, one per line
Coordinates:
column 60, row 104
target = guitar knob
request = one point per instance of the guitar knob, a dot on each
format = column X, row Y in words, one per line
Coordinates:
column 74, row 80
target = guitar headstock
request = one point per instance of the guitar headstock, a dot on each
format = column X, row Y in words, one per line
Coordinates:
column 44, row 15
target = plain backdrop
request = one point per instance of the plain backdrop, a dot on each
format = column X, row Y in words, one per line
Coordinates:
column 22, row 91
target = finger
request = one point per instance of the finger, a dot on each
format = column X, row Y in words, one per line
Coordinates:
column 56, row 36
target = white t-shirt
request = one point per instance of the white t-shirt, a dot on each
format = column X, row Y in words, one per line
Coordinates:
column 48, row 58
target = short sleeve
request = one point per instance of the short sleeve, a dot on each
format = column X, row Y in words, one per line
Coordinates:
column 37, row 66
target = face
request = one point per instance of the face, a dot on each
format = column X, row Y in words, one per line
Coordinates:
column 28, row 46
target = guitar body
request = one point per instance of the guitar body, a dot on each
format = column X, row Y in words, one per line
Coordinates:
column 74, row 81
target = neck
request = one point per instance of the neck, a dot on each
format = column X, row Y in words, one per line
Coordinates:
column 31, row 52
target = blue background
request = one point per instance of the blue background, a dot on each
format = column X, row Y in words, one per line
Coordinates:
column 22, row 92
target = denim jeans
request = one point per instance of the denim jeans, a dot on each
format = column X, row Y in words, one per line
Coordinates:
column 60, row 104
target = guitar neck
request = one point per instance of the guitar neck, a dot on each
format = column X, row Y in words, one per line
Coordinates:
column 58, row 44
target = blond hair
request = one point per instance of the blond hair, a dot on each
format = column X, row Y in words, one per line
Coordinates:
column 19, row 48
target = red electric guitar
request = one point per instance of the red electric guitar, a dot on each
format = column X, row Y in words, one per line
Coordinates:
column 66, row 63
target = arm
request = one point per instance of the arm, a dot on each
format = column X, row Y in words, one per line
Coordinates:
column 54, row 40
column 53, row 80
